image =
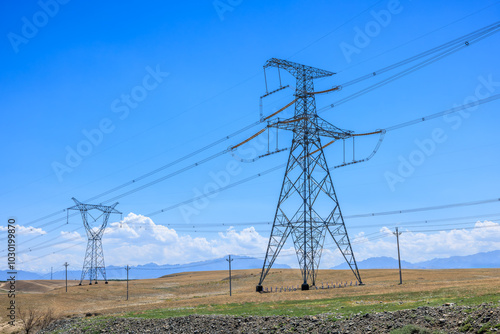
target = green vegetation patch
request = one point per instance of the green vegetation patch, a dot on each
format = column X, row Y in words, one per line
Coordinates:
column 92, row 325
column 340, row 307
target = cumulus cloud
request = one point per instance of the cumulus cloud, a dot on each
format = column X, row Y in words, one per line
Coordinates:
column 418, row 246
column 137, row 239
column 423, row 246
column 246, row 240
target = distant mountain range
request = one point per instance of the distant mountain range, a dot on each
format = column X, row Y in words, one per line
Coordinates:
column 153, row 270
column 479, row 260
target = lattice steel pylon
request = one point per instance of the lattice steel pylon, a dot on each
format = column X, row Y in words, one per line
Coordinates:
column 308, row 207
column 93, row 264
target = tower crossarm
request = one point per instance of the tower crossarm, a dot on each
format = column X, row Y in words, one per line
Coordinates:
column 298, row 70
column 84, row 210
column 81, row 206
column 325, row 129
column 315, row 125
column 86, row 207
column 289, row 124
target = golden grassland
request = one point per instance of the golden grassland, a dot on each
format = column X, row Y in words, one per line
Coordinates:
column 208, row 292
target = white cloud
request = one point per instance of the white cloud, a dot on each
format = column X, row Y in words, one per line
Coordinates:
column 417, row 246
column 139, row 240
column 23, row 230
column 423, row 246
column 71, row 235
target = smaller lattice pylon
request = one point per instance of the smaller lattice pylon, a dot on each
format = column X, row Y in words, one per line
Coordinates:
column 93, row 264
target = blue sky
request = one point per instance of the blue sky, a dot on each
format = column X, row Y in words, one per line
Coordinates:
column 195, row 69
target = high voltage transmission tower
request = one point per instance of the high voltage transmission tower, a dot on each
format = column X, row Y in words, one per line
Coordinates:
column 93, row 264
column 308, row 207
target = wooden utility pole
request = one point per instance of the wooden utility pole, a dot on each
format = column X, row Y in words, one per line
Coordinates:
column 51, row 273
column 66, row 265
column 397, row 234
column 230, row 288
column 127, row 268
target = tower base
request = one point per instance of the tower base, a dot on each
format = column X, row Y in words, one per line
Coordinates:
column 259, row 288
column 305, row 287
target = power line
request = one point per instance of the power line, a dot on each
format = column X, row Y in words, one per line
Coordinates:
column 394, row 77
column 392, row 128
column 459, row 43
column 204, row 225
column 436, row 207
column 228, row 89
column 29, row 249
column 448, row 48
column 284, row 253
column 200, row 228
column 381, row 235
column 453, row 229
column 475, row 36
column 161, row 168
column 445, row 112
column 422, row 36
column 337, row 28
column 54, row 252
column 39, row 246
column 234, row 184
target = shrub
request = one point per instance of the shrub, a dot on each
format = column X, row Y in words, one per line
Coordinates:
column 35, row 320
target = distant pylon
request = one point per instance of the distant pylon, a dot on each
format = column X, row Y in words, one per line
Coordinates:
column 307, row 207
column 93, row 265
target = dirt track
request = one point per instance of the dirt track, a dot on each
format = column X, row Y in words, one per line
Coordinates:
column 41, row 286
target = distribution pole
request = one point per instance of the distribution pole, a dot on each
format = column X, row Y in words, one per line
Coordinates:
column 66, row 265
column 397, row 234
column 230, row 288
column 127, row 268
column 51, row 273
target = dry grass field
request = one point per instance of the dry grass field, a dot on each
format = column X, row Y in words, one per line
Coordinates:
column 208, row 292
